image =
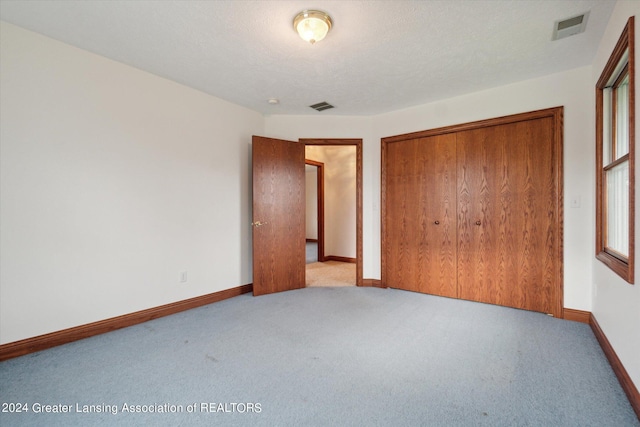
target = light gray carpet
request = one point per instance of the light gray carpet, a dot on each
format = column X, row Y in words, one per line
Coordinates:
column 330, row 356
column 311, row 252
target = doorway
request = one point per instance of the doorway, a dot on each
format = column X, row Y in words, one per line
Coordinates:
column 278, row 221
column 338, row 211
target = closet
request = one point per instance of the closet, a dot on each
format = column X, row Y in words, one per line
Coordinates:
column 474, row 211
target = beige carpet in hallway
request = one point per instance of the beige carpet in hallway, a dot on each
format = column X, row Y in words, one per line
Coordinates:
column 331, row 273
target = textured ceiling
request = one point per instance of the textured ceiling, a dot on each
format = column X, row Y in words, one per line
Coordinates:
column 380, row 56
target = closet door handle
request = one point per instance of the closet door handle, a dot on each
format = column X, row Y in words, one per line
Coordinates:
column 478, row 223
column 437, row 222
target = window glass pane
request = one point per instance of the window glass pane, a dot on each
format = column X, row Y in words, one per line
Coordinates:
column 617, row 205
column 622, row 117
column 607, row 114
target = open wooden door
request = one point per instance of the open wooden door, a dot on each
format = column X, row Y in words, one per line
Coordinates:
column 278, row 215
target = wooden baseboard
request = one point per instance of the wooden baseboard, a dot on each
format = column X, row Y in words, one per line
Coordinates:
column 339, row 258
column 43, row 342
column 576, row 315
column 623, row 377
column 375, row 283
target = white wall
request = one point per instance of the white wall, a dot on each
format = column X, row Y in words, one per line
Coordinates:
column 339, row 197
column 311, row 201
column 113, row 181
column 616, row 304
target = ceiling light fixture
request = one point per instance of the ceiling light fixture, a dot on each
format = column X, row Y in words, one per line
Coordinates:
column 312, row 25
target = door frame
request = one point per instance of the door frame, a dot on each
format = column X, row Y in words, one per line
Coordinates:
column 357, row 142
column 556, row 113
column 320, row 204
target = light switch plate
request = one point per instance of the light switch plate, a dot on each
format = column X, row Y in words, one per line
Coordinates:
column 575, row 202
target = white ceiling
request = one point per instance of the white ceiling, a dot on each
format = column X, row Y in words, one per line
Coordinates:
column 380, row 56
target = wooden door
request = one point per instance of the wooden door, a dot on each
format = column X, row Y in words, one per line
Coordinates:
column 508, row 215
column 278, row 215
column 504, row 245
column 420, row 227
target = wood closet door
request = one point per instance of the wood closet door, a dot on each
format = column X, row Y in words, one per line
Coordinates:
column 508, row 215
column 420, row 226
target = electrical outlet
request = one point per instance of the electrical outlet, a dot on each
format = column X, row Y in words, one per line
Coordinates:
column 183, row 277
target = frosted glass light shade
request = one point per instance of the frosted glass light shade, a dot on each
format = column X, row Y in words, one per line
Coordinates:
column 312, row 25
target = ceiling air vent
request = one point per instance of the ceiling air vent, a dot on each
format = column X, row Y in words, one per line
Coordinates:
column 321, row 106
column 570, row 27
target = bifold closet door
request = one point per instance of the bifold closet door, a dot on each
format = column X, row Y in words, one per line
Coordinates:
column 508, row 215
column 420, row 227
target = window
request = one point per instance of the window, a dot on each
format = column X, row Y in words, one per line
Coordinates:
column 615, row 154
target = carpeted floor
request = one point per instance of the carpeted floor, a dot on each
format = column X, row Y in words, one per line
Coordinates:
column 330, row 273
column 311, row 252
column 336, row 356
